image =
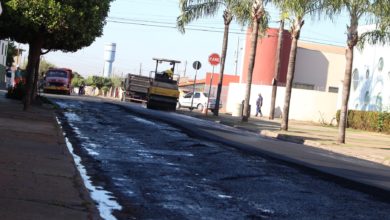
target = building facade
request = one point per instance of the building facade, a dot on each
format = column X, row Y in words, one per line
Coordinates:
column 370, row 87
column 264, row 69
column 3, row 52
column 319, row 67
column 319, row 70
column 3, row 60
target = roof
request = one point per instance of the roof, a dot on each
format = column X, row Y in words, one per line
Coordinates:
column 166, row 60
column 321, row 47
column 191, row 82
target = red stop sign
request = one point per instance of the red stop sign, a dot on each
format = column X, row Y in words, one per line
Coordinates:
column 214, row 59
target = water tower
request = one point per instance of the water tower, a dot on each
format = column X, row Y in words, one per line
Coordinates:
column 109, row 58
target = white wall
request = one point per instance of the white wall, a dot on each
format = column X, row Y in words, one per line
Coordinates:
column 319, row 65
column 370, row 85
column 305, row 105
column 3, row 52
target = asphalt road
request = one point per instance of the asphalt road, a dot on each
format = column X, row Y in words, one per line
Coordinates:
column 156, row 171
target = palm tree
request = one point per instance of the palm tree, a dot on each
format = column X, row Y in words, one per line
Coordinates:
column 379, row 11
column 295, row 11
column 278, row 64
column 259, row 22
column 193, row 10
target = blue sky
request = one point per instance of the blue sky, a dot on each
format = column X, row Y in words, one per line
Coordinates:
column 136, row 27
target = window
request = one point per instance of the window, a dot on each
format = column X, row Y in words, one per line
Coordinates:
column 333, row 89
column 367, row 98
column 188, row 95
column 303, row 86
column 380, row 64
column 61, row 74
column 197, row 95
column 355, row 79
column 378, row 102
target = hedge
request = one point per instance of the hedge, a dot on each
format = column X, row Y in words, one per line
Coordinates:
column 368, row 121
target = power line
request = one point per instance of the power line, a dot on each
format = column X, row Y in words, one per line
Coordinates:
column 211, row 29
column 173, row 27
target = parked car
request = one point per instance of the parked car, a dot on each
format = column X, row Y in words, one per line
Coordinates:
column 199, row 101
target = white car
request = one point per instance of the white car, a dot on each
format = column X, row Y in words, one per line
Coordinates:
column 198, row 102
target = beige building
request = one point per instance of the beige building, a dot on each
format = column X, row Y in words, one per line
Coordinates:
column 319, row 71
column 319, row 67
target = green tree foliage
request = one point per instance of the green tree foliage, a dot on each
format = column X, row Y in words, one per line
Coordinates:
column 294, row 11
column 44, row 66
column 259, row 22
column 116, row 82
column 378, row 12
column 193, row 10
column 52, row 25
column 98, row 82
column 11, row 53
column 77, row 80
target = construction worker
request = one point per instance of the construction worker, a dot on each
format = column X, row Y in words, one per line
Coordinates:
column 168, row 73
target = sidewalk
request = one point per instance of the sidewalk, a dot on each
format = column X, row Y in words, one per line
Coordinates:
column 365, row 145
column 39, row 179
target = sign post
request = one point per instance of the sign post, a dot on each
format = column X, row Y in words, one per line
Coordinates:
column 196, row 65
column 214, row 60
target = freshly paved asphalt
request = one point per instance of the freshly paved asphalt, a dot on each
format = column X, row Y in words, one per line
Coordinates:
column 354, row 172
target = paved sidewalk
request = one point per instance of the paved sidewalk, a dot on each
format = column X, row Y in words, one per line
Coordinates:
column 365, row 145
column 38, row 177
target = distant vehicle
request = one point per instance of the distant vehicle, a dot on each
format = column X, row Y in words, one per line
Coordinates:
column 199, row 102
column 158, row 92
column 58, row 80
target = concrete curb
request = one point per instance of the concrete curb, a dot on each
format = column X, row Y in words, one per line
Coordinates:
column 289, row 138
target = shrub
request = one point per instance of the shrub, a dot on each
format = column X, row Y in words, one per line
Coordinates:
column 368, row 121
column 77, row 81
column 105, row 89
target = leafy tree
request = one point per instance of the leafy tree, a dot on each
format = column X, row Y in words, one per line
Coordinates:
column 378, row 12
column 98, row 81
column 77, row 80
column 278, row 65
column 193, row 10
column 52, row 25
column 44, row 66
column 294, row 11
column 11, row 53
column 116, row 82
column 259, row 22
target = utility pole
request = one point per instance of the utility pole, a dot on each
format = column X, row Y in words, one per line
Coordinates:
column 277, row 70
column 185, row 68
column 237, row 54
column 140, row 68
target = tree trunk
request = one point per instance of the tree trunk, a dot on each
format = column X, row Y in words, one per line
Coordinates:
column 35, row 82
column 278, row 63
column 352, row 39
column 345, row 95
column 290, row 78
column 252, row 57
column 221, row 72
column 33, row 55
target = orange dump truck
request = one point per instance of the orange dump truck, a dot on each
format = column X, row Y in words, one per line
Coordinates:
column 58, row 80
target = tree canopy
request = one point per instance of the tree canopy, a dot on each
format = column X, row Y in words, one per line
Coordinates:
column 52, row 25
column 64, row 25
